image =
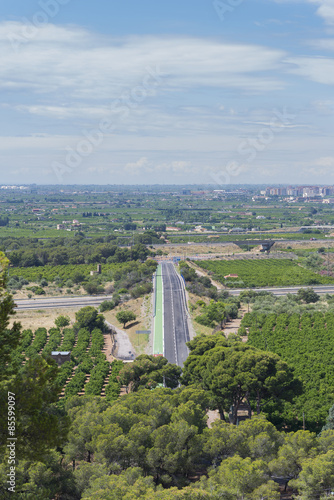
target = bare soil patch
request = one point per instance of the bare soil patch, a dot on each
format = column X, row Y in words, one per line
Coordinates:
column 42, row 317
column 196, row 249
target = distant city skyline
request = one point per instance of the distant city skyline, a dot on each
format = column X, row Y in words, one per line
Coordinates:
column 191, row 92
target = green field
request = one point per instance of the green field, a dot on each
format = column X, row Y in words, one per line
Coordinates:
column 261, row 273
column 307, row 343
column 65, row 272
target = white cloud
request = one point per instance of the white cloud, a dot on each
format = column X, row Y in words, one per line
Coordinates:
column 83, row 65
column 323, row 44
column 191, row 122
column 317, row 69
column 324, row 107
column 146, row 166
column 141, row 165
column 65, row 112
column 327, row 161
column 325, row 10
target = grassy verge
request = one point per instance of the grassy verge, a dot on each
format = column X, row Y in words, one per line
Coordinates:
column 141, row 308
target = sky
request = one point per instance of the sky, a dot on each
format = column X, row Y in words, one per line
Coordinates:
column 180, row 92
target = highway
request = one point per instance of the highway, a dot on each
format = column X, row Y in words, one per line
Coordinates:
column 60, row 302
column 171, row 279
column 245, row 241
column 176, row 331
column 321, row 289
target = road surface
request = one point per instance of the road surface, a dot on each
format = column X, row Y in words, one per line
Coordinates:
column 321, row 289
column 60, row 302
column 176, row 331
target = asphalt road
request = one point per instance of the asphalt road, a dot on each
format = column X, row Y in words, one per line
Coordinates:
column 55, row 302
column 171, row 278
column 176, row 332
column 321, row 242
column 284, row 291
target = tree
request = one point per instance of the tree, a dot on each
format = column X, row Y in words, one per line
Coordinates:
column 78, row 277
column 107, row 305
column 175, row 450
column 62, row 321
column 255, row 438
column 9, row 337
column 45, row 480
column 308, row 295
column 221, row 441
column 297, row 447
column 316, row 477
column 125, row 316
column 150, row 371
column 158, row 430
column 330, row 420
column 85, row 413
column 93, row 288
column 267, row 491
column 234, row 372
column 212, row 314
column 258, row 439
column 88, row 317
column 326, row 441
column 39, row 425
column 240, row 478
column 130, row 485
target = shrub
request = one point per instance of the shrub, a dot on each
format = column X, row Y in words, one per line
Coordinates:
column 97, row 378
column 113, row 387
column 68, row 339
column 76, row 384
column 65, row 371
column 54, row 340
column 38, row 343
column 26, row 339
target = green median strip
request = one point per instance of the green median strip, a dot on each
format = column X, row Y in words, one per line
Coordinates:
column 158, row 343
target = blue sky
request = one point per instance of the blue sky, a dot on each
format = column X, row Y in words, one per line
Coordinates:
column 146, row 92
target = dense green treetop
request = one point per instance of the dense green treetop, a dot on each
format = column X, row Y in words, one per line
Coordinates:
column 125, row 317
column 150, row 371
column 39, row 425
column 234, row 373
column 306, row 343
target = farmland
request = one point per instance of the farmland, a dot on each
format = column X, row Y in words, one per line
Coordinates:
column 87, row 372
column 306, row 342
column 125, row 214
column 262, row 273
column 64, row 272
